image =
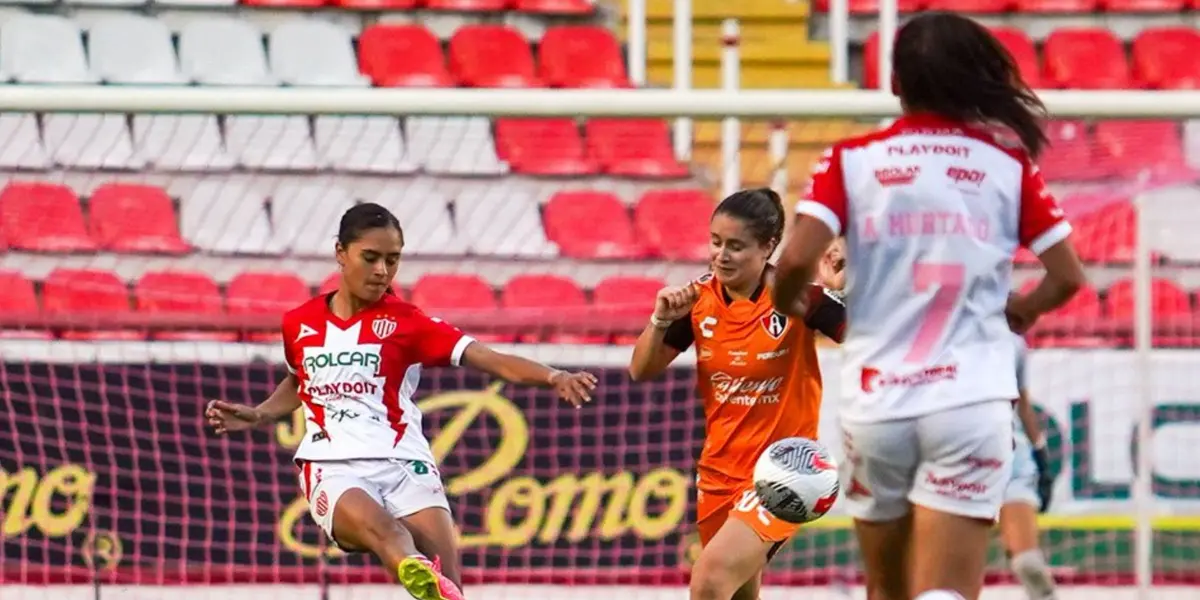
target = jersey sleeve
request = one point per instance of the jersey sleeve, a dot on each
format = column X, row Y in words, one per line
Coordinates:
column 825, row 197
column 438, row 343
column 826, row 313
column 679, row 334
column 1042, row 223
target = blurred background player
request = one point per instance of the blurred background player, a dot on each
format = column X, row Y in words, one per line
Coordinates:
column 758, row 377
column 1028, row 493
column 369, row 474
column 933, row 209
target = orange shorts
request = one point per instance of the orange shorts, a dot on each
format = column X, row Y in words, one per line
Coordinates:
column 714, row 508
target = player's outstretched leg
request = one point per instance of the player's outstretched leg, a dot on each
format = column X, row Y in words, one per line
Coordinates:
column 360, row 523
column 1018, row 529
column 730, row 565
column 884, row 547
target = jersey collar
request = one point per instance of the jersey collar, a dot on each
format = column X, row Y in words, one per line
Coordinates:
column 926, row 120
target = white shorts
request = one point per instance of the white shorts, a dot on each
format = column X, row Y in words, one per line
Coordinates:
column 956, row 461
column 1022, row 487
column 402, row 487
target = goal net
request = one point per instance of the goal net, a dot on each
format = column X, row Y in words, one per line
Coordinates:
column 152, row 238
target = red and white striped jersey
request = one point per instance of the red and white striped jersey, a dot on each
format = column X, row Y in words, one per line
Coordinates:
column 932, row 211
column 358, row 376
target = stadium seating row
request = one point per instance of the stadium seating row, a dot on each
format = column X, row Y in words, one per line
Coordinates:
column 549, row 7
column 984, row 7
column 1092, row 58
column 96, row 294
column 217, row 49
column 222, row 217
column 438, row 145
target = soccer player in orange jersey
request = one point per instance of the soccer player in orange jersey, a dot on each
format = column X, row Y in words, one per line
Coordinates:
column 758, row 378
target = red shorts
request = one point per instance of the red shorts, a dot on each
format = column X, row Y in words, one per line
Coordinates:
column 714, row 508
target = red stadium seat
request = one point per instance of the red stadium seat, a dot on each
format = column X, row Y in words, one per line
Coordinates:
column 402, row 56
column 1144, row 150
column 89, row 296
column 870, row 7
column 870, row 58
column 581, row 56
column 1142, row 6
column 674, row 223
column 17, row 297
column 1056, row 6
column 588, row 224
column 285, row 4
column 181, row 293
column 1108, row 234
column 135, row 218
column 467, row 5
column 494, row 56
column 1072, row 155
column 972, row 6
column 634, row 148
column 1170, row 310
column 543, row 147
column 1080, row 322
column 555, row 7
column 552, row 296
column 266, row 294
column 1164, row 58
column 1023, row 51
column 1081, row 58
column 437, row 293
column 382, row 5
column 627, row 296
column 42, row 217
column 330, row 284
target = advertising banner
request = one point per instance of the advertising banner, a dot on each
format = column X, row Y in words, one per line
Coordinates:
column 107, row 471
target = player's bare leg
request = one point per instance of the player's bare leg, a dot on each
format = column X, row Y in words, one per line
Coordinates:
column 435, row 536
column 360, row 523
column 885, row 549
column 730, row 565
column 1019, row 531
column 949, row 552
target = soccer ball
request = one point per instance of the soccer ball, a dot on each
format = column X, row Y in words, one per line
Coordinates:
column 796, row 480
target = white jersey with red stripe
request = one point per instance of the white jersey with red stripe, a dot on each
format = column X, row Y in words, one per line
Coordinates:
column 358, row 377
column 932, row 211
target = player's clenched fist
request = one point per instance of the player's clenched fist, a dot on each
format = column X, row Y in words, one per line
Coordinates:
column 225, row 417
column 675, row 302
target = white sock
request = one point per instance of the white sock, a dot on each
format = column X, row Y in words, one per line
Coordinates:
column 940, row 595
column 1032, row 571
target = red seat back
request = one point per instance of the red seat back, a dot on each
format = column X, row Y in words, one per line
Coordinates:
column 674, row 223
column 178, row 292
column 42, row 217
column 615, row 140
column 83, row 290
column 581, row 56
column 1164, row 58
column 134, row 218
column 1024, row 53
column 402, row 56
column 265, row 293
column 1085, row 59
column 541, row 292
column 16, row 293
column 627, row 295
column 1167, row 299
column 453, row 291
column 588, row 224
column 520, row 141
column 491, row 56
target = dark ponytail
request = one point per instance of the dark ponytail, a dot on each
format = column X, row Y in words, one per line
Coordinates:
column 954, row 67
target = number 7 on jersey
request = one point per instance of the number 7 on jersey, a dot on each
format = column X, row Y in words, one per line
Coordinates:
column 947, row 281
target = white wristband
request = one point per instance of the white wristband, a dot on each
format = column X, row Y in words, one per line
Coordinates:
column 1040, row 443
column 659, row 323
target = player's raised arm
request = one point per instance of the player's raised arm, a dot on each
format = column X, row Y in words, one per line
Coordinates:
column 820, row 217
column 668, row 333
column 575, row 388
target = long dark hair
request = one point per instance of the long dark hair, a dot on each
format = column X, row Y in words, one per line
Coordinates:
column 954, row 67
column 760, row 209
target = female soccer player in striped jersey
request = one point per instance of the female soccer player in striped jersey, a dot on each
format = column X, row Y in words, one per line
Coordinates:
column 933, row 209
column 758, row 377
column 354, row 358
column 1028, row 493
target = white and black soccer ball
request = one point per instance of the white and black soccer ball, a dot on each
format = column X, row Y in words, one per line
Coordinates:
column 796, row 480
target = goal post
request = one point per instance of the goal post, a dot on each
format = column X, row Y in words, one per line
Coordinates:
column 108, row 482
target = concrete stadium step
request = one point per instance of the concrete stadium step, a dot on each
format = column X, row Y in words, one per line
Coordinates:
column 738, row 9
column 754, row 76
column 757, row 166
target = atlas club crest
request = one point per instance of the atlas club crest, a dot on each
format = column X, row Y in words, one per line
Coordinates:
column 775, row 324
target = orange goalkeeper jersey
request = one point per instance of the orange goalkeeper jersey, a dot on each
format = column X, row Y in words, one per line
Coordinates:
column 757, row 375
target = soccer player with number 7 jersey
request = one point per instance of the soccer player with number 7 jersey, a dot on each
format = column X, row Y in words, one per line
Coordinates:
column 933, row 208
column 758, row 378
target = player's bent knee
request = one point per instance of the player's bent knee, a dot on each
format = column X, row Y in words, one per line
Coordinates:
column 710, row 582
column 361, row 524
